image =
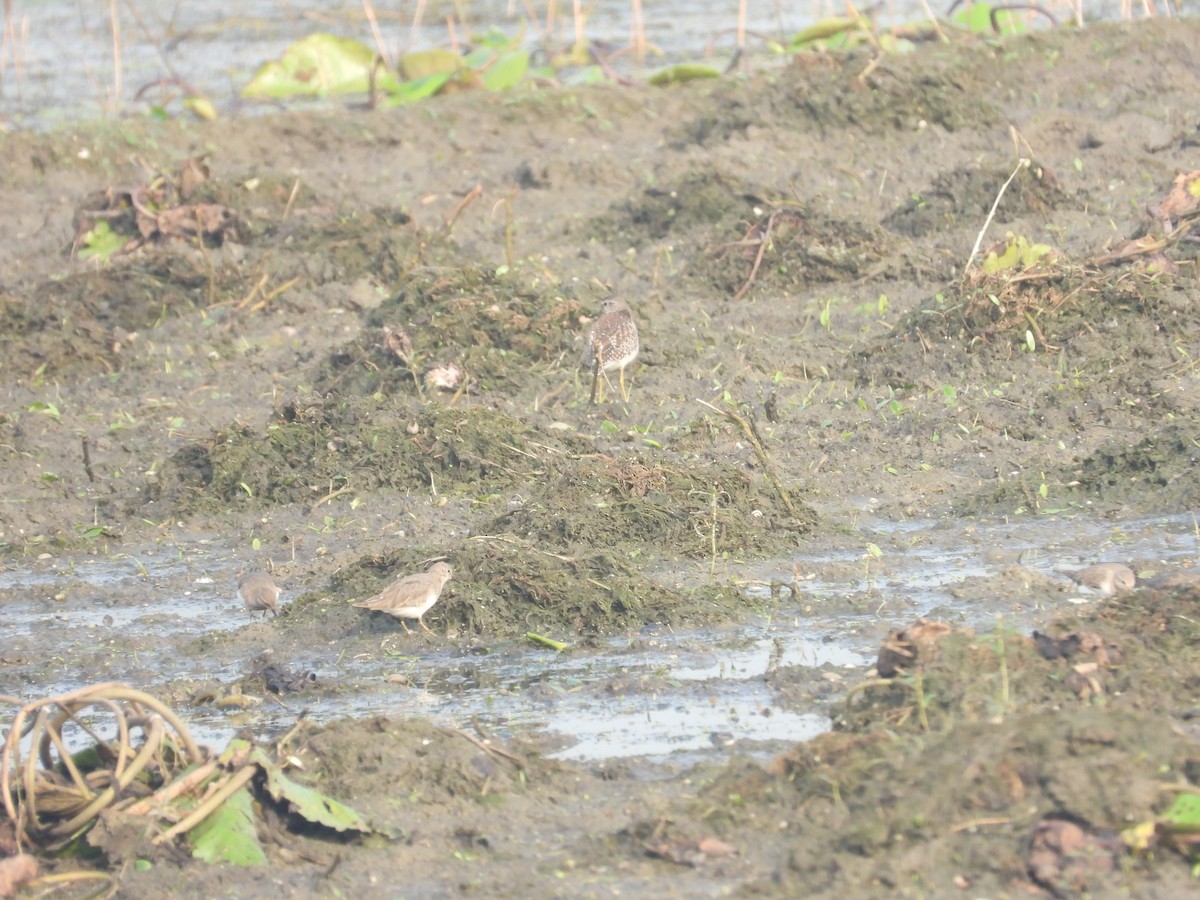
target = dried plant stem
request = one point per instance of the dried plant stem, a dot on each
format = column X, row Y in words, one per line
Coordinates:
column 487, row 747
column 210, row 804
column 115, row 24
column 177, row 787
column 377, row 35
column 937, row 28
column 712, row 536
column 506, row 202
column 751, row 432
column 763, row 243
column 639, row 32
column 291, row 200
column 1021, row 164
column 471, row 196
column 918, row 684
column 418, row 14
column 27, row 781
column 70, row 878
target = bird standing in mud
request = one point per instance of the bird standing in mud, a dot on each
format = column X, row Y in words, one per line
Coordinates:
column 1107, row 578
column 612, row 343
column 412, row 596
column 258, row 592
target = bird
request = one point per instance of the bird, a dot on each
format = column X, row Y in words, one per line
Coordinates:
column 612, row 343
column 258, row 592
column 411, row 596
column 1107, row 578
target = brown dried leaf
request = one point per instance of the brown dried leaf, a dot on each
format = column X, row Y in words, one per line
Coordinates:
column 1183, row 199
column 1063, row 856
column 905, row 648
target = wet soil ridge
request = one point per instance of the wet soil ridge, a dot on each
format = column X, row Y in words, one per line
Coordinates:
column 1018, row 735
column 505, row 587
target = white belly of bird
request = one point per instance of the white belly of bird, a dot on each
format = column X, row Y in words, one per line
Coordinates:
column 415, row 612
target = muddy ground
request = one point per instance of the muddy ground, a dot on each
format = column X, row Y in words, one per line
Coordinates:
column 792, row 242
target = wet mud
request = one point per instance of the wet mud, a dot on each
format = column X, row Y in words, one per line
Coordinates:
column 834, row 429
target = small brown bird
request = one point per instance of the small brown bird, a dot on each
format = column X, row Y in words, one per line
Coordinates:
column 1107, row 578
column 611, row 344
column 258, row 592
column 412, row 596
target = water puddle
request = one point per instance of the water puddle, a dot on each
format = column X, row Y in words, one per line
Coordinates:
column 679, row 695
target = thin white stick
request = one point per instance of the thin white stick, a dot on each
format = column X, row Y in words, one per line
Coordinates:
column 415, row 27
column 369, row 9
column 116, row 39
column 1021, row 164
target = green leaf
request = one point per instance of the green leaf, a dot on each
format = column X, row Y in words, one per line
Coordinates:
column 498, row 40
column 509, row 69
column 308, row 802
column 1018, row 254
column 229, row 834
column 101, row 242
column 890, row 43
column 48, row 409
column 1184, row 814
column 823, row 30
column 536, row 638
column 429, row 62
column 682, row 72
column 317, row 66
column 201, row 108
column 977, row 18
column 478, row 58
column 586, row 75
column 417, row 89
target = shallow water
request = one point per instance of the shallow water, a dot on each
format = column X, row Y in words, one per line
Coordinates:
column 57, row 57
column 658, row 694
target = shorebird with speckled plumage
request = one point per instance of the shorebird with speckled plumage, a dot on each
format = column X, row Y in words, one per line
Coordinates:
column 412, row 596
column 612, row 343
column 258, row 592
column 1106, row 578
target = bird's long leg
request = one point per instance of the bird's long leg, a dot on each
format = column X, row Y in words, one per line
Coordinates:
column 404, row 625
column 421, row 620
column 624, row 391
column 596, row 386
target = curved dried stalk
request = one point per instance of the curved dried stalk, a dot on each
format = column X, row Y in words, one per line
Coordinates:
column 108, row 889
column 46, row 794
